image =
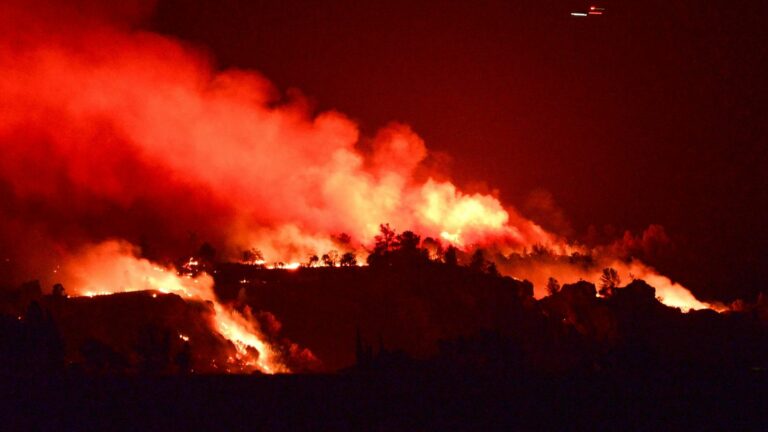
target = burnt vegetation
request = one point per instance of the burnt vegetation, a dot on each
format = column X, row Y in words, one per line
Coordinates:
column 421, row 337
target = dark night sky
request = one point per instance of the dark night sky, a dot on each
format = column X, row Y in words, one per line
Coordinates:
column 653, row 113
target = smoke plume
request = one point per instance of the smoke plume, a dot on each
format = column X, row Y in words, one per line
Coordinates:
column 115, row 133
column 112, row 133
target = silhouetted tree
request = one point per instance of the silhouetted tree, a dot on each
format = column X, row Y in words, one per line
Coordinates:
column 491, row 269
column 58, row 291
column 252, row 256
column 408, row 241
column 477, row 262
column 553, row 286
column 450, row 257
column 386, row 242
column 331, row 258
column 408, row 252
column 313, row 261
column 609, row 281
column 348, row 260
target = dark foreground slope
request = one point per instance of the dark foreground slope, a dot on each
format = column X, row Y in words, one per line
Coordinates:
column 433, row 311
column 460, row 349
column 407, row 307
column 416, row 311
column 723, row 400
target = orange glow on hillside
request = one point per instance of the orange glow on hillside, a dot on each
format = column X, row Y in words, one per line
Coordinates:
column 112, row 267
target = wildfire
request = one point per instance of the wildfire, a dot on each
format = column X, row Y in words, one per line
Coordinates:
column 669, row 293
column 99, row 293
column 538, row 269
column 285, row 266
column 454, row 213
column 167, row 145
column 112, row 267
column 454, row 238
column 242, row 333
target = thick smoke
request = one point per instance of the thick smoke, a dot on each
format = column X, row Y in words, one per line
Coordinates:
column 113, row 133
column 108, row 132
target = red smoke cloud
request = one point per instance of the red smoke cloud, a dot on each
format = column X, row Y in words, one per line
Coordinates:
column 108, row 132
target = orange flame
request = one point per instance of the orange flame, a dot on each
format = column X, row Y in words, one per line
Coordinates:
column 112, row 267
column 155, row 126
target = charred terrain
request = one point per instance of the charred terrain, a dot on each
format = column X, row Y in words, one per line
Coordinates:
column 401, row 344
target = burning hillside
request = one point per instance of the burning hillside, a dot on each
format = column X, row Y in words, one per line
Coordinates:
column 122, row 149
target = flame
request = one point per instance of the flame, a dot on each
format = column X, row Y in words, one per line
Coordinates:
column 456, row 216
column 670, row 293
column 244, row 335
column 539, row 269
column 143, row 134
column 112, row 267
column 285, row 266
